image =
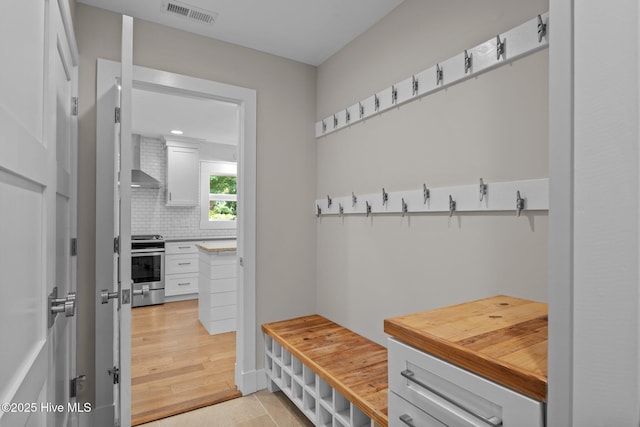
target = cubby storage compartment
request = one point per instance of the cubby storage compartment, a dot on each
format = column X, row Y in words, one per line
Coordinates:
column 309, row 405
column 268, row 344
column 325, row 392
column 339, row 423
column 325, row 417
column 286, row 359
column 359, row 418
column 296, row 393
column 309, row 378
column 286, row 382
column 297, row 367
column 341, row 407
column 277, row 350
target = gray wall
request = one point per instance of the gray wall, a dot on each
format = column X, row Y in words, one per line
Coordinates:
column 493, row 126
column 286, row 157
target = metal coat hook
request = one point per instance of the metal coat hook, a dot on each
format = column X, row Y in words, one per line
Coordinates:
column 368, row 208
column 385, row 197
column 426, row 193
column 376, row 102
column 347, row 115
column 354, row 199
column 329, row 202
column 467, row 62
column 324, row 126
column 439, row 74
column 394, row 94
column 452, row 206
column 318, row 211
column 483, row 189
column 340, row 209
column 519, row 203
column 500, row 47
column 414, row 85
column 361, row 109
column 335, row 121
column 542, row 29
column 405, row 208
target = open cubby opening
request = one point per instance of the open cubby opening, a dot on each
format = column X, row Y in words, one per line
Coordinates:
column 296, row 393
column 325, row 418
column 359, row 418
column 268, row 343
column 325, row 392
column 286, row 358
column 277, row 372
column 297, row 367
column 277, row 349
column 309, row 377
column 341, row 406
column 309, row 405
column 286, row 381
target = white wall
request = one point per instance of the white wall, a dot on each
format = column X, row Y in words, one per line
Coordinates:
column 493, row 126
column 286, row 157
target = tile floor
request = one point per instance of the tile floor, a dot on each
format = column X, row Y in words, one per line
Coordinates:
column 261, row 409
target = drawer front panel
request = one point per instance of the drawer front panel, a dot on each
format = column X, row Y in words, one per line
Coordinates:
column 174, row 248
column 223, row 271
column 455, row 396
column 181, row 284
column 181, row 264
column 403, row 414
column 223, row 258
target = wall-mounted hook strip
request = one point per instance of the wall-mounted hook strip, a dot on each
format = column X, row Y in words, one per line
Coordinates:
column 361, row 109
column 329, row 202
column 354, row 199
column 414, row 86
column 452, row 206
column 439, row 74
column 318, row 211
column 405, row 208
column 501, row 47
column 340, row 209
column 426, row 193
column 385, row 197
column 394, row 94
column 324, row 126
column 467, row 62
column 542, row 29
column 483, row 189
column 347, row 116
column 519, row 203
column 335, row 121
column 368, row 208
column 376, row 102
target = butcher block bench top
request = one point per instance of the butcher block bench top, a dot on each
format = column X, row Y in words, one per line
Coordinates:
column 500, row 338
column 350, row 363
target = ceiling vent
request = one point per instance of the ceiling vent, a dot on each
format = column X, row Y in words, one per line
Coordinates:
column 189, row 12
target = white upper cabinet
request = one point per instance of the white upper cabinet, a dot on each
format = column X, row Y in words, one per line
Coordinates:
column 183, row 172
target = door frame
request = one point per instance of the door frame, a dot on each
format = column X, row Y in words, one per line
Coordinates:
column 247, row 377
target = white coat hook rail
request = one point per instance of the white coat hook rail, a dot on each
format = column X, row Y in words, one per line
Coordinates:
column 531, row 195
column 523, row 40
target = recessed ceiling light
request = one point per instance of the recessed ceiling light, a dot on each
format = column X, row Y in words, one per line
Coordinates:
column 177, row 132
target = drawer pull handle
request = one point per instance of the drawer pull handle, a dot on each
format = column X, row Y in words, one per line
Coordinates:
column 184, row 247
column 407, row 420
column 184, row 284
column 493, row 421
column 184, row 263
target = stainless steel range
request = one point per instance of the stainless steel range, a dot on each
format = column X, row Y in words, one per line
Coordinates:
column 147, row 269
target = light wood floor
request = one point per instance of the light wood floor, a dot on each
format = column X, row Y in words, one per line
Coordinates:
column 176, row 366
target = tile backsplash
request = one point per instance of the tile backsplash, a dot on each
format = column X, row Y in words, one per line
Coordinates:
column 149, row 215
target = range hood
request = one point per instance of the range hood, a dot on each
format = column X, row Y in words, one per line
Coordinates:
column 140, row 179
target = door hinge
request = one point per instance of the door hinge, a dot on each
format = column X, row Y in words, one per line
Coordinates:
column 117, row 115
column 116, row 245
column 73, row 386
column 115, row 373
column 74, row 246
column 74, row 106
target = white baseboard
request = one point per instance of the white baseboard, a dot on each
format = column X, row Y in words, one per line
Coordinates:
column 250, row 382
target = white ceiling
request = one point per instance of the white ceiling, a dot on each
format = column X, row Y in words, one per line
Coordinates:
column 308, row 31
column 157, row 114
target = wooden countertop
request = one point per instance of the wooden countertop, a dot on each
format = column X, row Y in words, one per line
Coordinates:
column 500, row 338
column 350, row 363
column 218, row 246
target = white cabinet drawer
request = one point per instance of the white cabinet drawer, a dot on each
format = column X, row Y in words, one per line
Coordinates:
column 223, row 258
column 180, row 284
column 181, row 264
column 403, row 413
column 455, row 396
column 224, row 271
column 173, row 248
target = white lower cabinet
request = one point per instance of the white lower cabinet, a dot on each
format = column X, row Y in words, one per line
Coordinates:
column 217, row 291
column 427, row 391
column 317, row 399
column 181, row 269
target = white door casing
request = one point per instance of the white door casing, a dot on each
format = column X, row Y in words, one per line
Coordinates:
column 247, row 377
column 37, row 218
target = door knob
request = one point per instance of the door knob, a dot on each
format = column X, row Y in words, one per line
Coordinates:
column 60, row 305
column 105, row 296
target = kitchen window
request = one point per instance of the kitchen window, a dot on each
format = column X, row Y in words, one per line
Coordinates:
column 219, row 200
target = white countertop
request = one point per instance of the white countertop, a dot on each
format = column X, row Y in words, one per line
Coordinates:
column 218, row 246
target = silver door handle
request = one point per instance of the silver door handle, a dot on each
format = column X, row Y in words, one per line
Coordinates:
column 105, row 296
column 63, row 305
column 144, row 291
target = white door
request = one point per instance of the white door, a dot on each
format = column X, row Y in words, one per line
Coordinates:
column 37, row 215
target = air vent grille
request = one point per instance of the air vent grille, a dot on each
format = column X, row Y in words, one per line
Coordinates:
column 189, row 12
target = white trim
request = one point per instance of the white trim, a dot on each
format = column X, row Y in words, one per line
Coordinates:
column 67, row 22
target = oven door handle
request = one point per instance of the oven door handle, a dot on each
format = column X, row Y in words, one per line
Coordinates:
column 153, row 252
column 144, row 291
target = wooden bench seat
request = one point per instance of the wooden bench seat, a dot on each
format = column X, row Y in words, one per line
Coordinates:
column 352, row 365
